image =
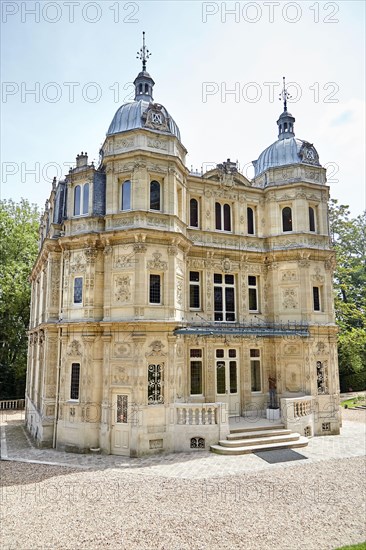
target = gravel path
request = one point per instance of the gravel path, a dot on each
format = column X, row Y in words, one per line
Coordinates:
column 316, row 506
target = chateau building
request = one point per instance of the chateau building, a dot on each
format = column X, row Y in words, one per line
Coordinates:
column 165, row 302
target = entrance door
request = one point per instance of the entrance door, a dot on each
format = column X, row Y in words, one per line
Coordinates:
column 120, row 434
column 227, row 379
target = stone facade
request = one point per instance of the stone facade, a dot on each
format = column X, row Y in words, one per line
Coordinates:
column 163, row 300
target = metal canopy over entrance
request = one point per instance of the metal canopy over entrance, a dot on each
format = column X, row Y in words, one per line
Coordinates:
column 240, row 329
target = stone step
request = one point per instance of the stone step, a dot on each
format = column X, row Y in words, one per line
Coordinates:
column 262, row 433
column 301, row 442
column 260, row 440
column 257, row 428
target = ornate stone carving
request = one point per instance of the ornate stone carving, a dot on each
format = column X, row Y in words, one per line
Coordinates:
column 316, row 277
column 74, row 348
column 226, row 265
column 90, row 255
column 123, row 261
column 120, row 376
column 289, row 300
column 157, row 349
column 289, row 276
column 179, row 292
column 123, row 288
column 78, row 264
column 156, row 263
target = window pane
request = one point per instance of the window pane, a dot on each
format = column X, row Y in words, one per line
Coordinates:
column 254, row 353
column 255, row 375
column 196, row 377
column 253, row 304
column 230, row 299
column 194, row 276
column 218, row 303
column 86, row 198
column 227, row 218
column 229, row 279
column 75, row 381
column 311, row 219
column 122, row 403
column 250, row 218
column 155, row 383
column 219, row 353
column 286, row 219
column 217, row 278
column 155, row 195
column 252, row 281
column 193, row 213
column 77, row 196
column 196, row 353
column 316, row 297
column 126, row 195
column 232, row 352
column 194, row 296
column 233, row 377
column 218, row 215
column 154, row 289
column 220, row 377
column 78, row 290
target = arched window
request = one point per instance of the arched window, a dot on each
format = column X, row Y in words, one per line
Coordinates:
column 311, row 219
column 140, row 88
column 250, row 221
column 193, row 213
column 286, row 219
column 126, row 195
column 77, row 200
column 85, row 209
column 146, row 88
column 155, row 195
column 227, row 218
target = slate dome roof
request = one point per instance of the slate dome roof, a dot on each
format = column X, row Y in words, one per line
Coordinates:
column 130, row 117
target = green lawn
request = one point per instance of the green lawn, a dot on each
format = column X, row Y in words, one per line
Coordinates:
column 360, row 400
column 361, row 546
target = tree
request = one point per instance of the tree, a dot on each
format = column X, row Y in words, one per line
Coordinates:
column 18, row 251
column 349, row 241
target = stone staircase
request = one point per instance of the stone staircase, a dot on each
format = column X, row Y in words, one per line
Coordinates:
column 246, row 440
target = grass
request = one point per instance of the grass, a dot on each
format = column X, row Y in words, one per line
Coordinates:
column 358, row 400
column 361, row 546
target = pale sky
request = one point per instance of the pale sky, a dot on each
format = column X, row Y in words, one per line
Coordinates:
column 200, row 52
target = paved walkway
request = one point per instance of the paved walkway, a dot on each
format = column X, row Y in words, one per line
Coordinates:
column 16, row 445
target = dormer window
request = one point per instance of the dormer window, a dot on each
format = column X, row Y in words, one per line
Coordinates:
column 81, row 200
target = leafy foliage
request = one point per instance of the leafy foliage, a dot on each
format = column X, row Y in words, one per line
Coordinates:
column 18, row 251
column 349, row 241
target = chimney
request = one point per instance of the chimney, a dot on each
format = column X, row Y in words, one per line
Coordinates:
column 82, row 160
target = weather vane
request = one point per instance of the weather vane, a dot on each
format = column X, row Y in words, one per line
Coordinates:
column 144, row 53
column 284, row 95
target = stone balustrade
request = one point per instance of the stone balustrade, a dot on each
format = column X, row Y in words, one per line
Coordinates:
column 302, row 408
column 197, row 414
column 12, row 404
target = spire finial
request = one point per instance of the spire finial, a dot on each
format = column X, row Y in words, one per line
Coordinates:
column 284, row 95
column 144, row 53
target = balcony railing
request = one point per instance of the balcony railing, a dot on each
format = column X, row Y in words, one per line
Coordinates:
column 245, row 329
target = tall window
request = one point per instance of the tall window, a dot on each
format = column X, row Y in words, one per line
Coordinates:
column 311, row 219
column 78, row 290
column 81, row 199
column 250, row 221
column 193, row 213
column 253, row 292
column 224, row 293
column 194, row 290
column 155, row 289
column 155, row 384
column 126, row 195
column 223, row 216
column 255, row 370
column 226, row 371
column 155, row 199
column 316, row 298
column 286, row 219
column 75, row 381
column 196, row 371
